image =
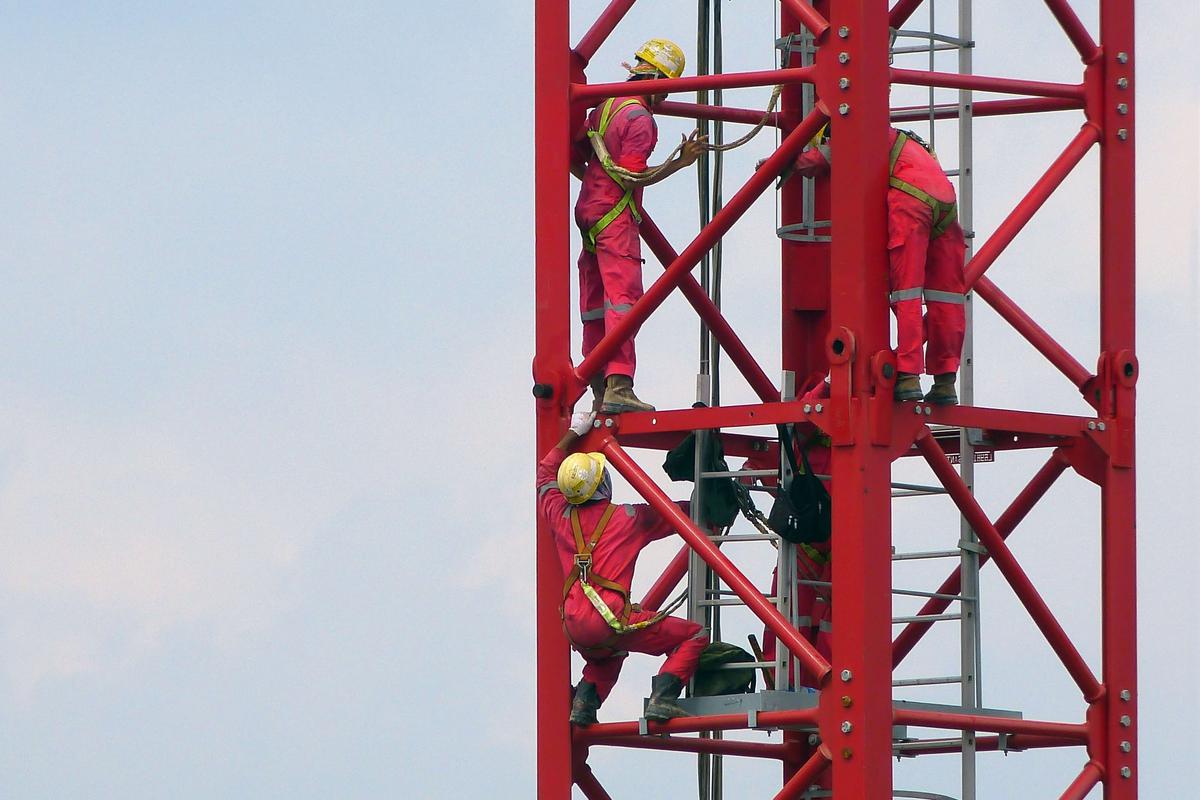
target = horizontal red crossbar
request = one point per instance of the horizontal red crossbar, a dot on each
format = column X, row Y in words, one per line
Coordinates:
column 984, row 83
column 989, row 108
column 747, row 116
column 726, row 80
column 1077, row 732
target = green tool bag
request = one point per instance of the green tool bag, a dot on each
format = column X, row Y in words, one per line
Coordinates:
column 719, row 501
column 710, row 681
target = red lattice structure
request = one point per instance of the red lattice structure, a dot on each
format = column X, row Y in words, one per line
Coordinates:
column 836, row 321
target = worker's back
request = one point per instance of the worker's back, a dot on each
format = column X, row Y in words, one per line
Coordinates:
column 915, row 165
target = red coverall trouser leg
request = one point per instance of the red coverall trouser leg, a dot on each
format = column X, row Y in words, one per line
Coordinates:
column 679, row 639
column 610, row 282
column 920, row 265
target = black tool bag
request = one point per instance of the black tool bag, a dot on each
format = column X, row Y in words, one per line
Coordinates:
column 719, row 505
column 803, row 514
column 711, row 681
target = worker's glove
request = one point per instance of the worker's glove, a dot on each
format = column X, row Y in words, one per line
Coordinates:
column 581, row 422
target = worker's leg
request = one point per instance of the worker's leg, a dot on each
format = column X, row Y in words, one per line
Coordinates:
column 603, row 669
column 679, row 639
column 619, row 259
column 945, row 317
column 909, row 221
column 591, row 301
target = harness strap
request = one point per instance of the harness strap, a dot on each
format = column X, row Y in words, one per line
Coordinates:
column 943, row 213
column 607, row 112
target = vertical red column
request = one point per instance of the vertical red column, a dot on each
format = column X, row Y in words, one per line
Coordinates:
column 805, row 265
column 551, row 366
column 1118, row 373
column 856, row 706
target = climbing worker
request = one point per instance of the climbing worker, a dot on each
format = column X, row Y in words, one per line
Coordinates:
column 925, row 251
column 598, row 543
column 610, row 158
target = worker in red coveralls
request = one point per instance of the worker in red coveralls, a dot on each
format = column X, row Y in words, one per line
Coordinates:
column 618, row 140
column 598, row 543
column 925, row 253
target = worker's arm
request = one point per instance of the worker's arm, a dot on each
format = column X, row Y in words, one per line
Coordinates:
column 550, row 499
column 693, row 147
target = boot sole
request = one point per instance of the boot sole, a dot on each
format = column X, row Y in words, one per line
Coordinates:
column 942, row 401
column 904, row 397
column 620, row 408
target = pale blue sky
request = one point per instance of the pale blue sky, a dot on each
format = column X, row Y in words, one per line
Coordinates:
column 266, row 448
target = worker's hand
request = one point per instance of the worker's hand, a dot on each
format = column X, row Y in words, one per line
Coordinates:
column 581, row 422
column 693, row 148
column 758, row 164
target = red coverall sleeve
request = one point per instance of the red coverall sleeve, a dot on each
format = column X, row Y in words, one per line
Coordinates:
column 651, row 525
column 812, row 162
column 550, row 500
column 638, row 138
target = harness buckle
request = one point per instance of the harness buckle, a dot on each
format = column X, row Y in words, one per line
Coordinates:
column 583, row 563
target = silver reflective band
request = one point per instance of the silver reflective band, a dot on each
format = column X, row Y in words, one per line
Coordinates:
column 620, row 307
column 804, row 622
column 592, row 314
column 598, row 313
column 936, row 296
column 906, row 294
column 826, row 626
column 545, row 487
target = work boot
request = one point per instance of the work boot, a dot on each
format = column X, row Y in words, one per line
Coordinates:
column 619, row 396
column 908, row 387
column 597, row 384
column 584, row 704
column 942, row 393
column 664, row 691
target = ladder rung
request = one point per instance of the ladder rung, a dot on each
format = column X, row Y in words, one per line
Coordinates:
column 925, row 618
column 914, row 556
column 927, row 681
column 742, row 473
column 938, row 595
column 733, row 601
column 745, row 537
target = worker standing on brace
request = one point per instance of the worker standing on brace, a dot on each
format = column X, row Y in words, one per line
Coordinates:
column 598, row 543
column 925, row 253
column 620, row 133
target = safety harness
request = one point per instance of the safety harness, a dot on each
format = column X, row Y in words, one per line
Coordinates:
column 596, row 135
column 588, row 580
column 943, row 213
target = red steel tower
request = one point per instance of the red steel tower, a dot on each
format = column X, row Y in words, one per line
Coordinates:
column 835, row 321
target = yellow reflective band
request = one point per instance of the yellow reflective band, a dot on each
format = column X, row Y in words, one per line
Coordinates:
column 617, row 625
column 607, row 112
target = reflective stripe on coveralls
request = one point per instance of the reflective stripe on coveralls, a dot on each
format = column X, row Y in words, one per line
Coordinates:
column 943, row 213
column 626, row 201
column 581, row 572
column 598, row 313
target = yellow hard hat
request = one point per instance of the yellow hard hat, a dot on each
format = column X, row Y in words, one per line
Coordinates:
column 664, row 55
column 579, row 475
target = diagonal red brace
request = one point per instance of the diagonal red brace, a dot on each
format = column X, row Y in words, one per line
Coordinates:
column 1024, row 324
column 721, row 222
column 900, row 12
column 604, row 25
column 817, row 25
column 1031, row 202
column 718, row 561
column 1008, row 565
column 1074, row 29
column 1083, row 785
column 804, row 777
column 1005, row 525
column 711, row 315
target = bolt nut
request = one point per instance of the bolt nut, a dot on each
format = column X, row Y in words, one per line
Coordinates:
column 1126, row 772
column 847, row 701
column 847, row 726
column 847, row 676
column 843, row 57
column 843, row 83
column 819, row 408
column 917, row 410
column 608, row 423
column 1126, row 695
column 1122, row 57
column 1122, row 108
column 595, row 423
column 1125, row 721
column 1122, row 83
column 1091, row 425
column 1100, row 425
column 928, row 411
column 1126, row 747
column 844, row 109
column 1122, row 134
column 807, row 407
column 844, row 32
